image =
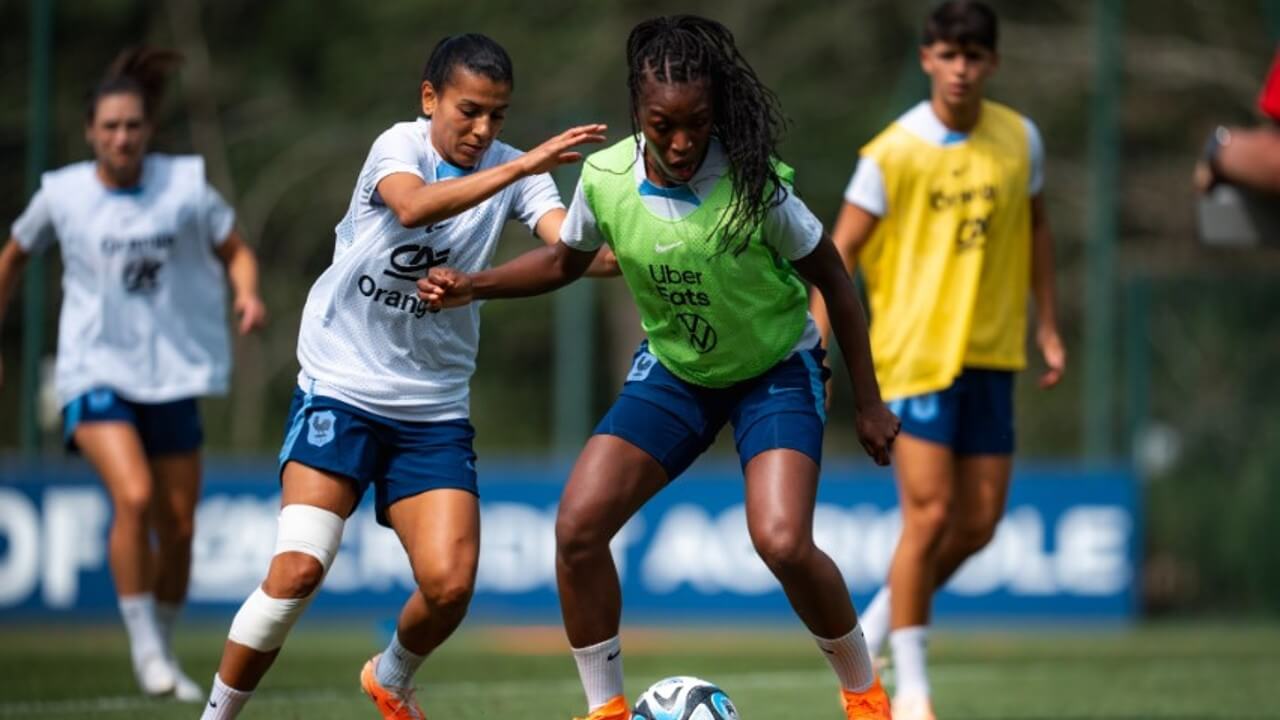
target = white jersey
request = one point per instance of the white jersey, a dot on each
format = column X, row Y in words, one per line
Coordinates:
column 143, row 294
column 365, row 337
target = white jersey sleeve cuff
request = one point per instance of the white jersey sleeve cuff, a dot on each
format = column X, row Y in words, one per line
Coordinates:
column 866, row 188
column 792, row 229
column 1035, row 148
column 33, row 230
column 579, row 230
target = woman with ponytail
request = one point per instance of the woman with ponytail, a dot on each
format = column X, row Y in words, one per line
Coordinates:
column 148, row 247
column 715, row 247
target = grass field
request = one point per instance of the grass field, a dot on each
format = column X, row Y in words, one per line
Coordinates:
column 1162, row 671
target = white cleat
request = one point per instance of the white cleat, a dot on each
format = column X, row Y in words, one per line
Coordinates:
column 155, row 675
column 184, row 688
column 917, row 707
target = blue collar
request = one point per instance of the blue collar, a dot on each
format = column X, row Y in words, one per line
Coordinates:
column 681, row 193
column 446, row 170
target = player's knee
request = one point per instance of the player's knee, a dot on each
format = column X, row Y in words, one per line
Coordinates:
column 577, row 539
column 972, row 537
column 293, row 575
column 782, row 547
column 446, row 588
column 175, row 535
column 306, row 542
column 926, row 522
column 132, row 503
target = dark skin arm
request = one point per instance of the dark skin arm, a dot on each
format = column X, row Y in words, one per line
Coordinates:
column 538, row 271
column 824, row 270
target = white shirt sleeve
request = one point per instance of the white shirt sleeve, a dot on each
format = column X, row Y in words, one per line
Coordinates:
column 1035, row 145
column 34, row 227
column 792, row 229
column 535, row 196
column 866, row 188
column 395, row 151
column 218, row 216
column 580, row 230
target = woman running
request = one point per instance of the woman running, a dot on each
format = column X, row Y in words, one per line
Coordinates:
column 147, row 246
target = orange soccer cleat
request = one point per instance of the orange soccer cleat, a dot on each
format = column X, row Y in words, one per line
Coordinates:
column 615, row 709
column 871, row 704
column 393, row 703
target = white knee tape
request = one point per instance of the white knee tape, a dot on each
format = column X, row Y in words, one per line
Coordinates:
column 311, row 530
column 264, row 621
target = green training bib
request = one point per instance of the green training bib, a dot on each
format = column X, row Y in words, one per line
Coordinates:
column 713, row 319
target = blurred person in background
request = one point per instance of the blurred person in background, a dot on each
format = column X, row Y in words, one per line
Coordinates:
column 946, row 215
column 715, row 247
column 148, row 246
column 1248, row 157
column 382, row 397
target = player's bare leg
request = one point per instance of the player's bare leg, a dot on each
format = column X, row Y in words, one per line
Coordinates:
column 173, row 509
column 981, row 491
column 782, row 487
column 610, row 481
column 926, row 489
column 115, row 451
column 440, row 531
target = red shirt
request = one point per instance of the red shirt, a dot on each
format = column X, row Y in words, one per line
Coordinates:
column 1269, row 99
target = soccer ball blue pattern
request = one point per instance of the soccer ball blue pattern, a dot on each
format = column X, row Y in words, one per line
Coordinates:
column 684, row 698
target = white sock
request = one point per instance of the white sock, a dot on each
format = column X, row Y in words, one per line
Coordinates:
column 875, row 621
column 139, row 613
column 849, row 658
column 396, row 665
column 224, row 701
column 600, row 668
column 166, row 617
column 909, row 645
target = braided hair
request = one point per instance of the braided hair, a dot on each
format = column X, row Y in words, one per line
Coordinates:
column 140, row 71
column 746, row 115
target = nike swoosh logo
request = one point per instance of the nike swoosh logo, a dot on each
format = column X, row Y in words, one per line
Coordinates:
column 613, row 656
column 213, row 704
column 775, row 390
column 663, row 247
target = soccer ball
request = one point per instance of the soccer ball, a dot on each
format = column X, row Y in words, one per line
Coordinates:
column 684, row 698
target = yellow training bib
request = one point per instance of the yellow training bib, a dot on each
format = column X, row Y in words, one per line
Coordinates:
column 948, row 267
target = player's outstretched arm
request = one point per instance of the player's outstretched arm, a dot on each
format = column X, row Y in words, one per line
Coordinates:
column 853, row 228
column 12, row 260
column 877, row 426
column 605, row 263
column 417, row 203
column 536, row 272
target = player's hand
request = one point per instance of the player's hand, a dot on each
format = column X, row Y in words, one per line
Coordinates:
column 252, row 313
column 877, row 427
column 559, row 150
column 445, row 287
column 1055, row 356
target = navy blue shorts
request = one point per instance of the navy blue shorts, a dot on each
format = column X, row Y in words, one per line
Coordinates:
column 399, row 458
column 974, row 416
column 675, row 421
column 169, row 428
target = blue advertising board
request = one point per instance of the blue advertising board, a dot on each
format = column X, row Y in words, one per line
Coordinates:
column 1067, row 548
